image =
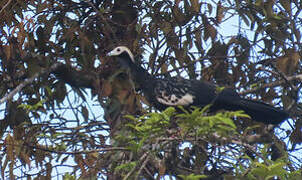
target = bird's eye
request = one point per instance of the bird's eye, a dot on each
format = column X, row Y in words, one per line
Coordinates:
column 118, row 50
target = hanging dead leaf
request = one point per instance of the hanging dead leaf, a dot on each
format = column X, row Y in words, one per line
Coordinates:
column 210, row 8
column 209, row 30
column 198, row 41
column 78, row 158
column 164, row 68
column 166, row 27
column 179, row 56
column 289, row 62
column 219, row 12
column 91, row 158
column 7, row 50
column 297, row 34
column 286, row 5
column 151, row 60
column 296, row 136
column 85, row 113
column 39, row 154
column 9, row 143
column 25, row 158
column 195, row 5
column 21, row 35
column 212, row 32
column 282, row 64
column 48, row 170
column 162, row 169
column 179, row 16
column 60, row 92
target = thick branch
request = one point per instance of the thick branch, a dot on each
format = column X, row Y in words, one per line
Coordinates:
column 28, row 81
column 75, row 78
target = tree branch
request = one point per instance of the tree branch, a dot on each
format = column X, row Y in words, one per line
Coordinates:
column 5, row 6
column 275, row 83
column 28, row 81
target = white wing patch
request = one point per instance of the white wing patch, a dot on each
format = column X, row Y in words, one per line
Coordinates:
column 172, row 100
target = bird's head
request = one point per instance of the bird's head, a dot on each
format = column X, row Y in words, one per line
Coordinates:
column 121, row 51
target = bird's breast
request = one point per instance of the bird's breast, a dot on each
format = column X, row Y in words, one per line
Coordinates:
column 172, row 95
column 175, row 99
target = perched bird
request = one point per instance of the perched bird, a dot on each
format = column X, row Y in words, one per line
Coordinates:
column 177, row 91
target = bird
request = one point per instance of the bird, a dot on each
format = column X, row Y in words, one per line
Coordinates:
column 177, row 91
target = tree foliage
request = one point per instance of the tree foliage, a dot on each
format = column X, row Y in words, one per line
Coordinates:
column 68, row 108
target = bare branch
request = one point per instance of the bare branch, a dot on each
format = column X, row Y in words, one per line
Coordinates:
column 5, row 6
column 27, row 82
column 272, row 84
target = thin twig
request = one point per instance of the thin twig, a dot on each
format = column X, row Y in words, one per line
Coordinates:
column 144, row 156
column 75, row 152
column 5, row 6
column 142, row 166
column 275, row 83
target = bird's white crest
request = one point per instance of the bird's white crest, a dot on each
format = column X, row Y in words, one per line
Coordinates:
column 119, row 50
column 185, row 100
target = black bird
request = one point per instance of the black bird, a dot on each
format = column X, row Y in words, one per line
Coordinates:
column 176, row 91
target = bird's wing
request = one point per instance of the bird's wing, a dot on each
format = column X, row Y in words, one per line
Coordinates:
column 174, row 92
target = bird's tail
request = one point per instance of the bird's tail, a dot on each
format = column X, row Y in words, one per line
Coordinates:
column 261, row 112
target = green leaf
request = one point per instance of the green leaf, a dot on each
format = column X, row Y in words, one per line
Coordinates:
column 192, row 177
column 126, row 166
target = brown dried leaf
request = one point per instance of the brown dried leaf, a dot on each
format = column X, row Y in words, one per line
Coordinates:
column 219, row 12
column 3, row 167
column 179, row 16
column 195, row 5
column 164, row 68
column 198, row 41
column 289, row 62
column 298, row 35
column 286, row 5
column 85, row 113
column 80, row 162
column 209, row 30
column 39, row 155
column 210, row 8
column 91, row 158
column 282, row 63
column 162, row 169
column 296, row 136
column 106, row 88
column 166, row 27
column 9, row 143
column 25, row 158
column 179, row 56
column 21, row 35
column 7, row 50
column 48, row 170
column 60, row 92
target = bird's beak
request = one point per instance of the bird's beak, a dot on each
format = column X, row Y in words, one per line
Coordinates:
column 110, row 53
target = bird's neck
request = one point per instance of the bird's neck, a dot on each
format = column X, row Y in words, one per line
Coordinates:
column 141, row 76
